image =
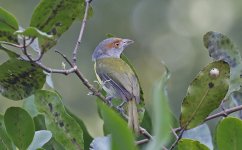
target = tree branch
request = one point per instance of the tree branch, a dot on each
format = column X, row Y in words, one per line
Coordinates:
column 177, row 140
column 74, row 54
column 219, row 114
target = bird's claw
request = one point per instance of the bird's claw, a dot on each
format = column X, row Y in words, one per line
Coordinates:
column 109, row 101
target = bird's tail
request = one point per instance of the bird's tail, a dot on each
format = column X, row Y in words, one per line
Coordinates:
column 133, row 121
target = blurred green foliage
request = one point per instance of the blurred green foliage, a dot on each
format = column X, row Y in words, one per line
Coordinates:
column 162, row 30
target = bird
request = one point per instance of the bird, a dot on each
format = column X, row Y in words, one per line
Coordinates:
column 117, row 77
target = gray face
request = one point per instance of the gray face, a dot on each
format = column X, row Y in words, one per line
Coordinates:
column 111, row 47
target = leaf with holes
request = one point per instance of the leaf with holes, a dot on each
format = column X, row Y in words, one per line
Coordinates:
column 204, row 94
column 86, row 136
column 229, row 134
column 64, row 128
column 55, row 17
column 20, row 126
column 20, row 79
column 8, row 25
column 220, row 47
column 185, row 144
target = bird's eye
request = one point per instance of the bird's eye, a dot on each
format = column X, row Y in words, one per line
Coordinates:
column 116, row 44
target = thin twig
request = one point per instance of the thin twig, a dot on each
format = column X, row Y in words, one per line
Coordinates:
column 74, row 55
column 94, row 91
column 64, row 56
column 221, row 114
column 144, row 132
column 177, row 140
column 174, row 132
column 140, row 142
column 51, row 70
column 25, row 51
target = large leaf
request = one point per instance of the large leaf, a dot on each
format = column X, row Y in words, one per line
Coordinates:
column 188, row 144
column 122, row 137
column 20, row 79
column 55, row 17
column 229, row 134
column 5, row 141
column 64, row 128
column 204, row 94
column 161, row 113
column 86, row 136
column 20, row 126
column 220, row 47
column 8, row 25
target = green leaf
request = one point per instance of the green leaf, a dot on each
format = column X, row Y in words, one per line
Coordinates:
column 185, row 144
column 20, row 79
column 146, row 122
column 229, row 134
column 20, row 126
column 8, row 25
column 40, row 138
column 53, row 145
column 86, row 136
column 5, row 141
column 141, row 105
column 220, row 47
column 161, row 113
column 39, row 122
column 204, row 94
column 55, row 17
column 64, row 128
column 34, row 33
column 122, row 137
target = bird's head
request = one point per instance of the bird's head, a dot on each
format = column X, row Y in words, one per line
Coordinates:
column 111, row 47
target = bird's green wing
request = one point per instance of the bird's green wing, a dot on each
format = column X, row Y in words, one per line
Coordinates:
column 116, row 74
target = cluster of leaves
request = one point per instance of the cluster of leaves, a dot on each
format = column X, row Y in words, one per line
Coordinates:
column 43, row 122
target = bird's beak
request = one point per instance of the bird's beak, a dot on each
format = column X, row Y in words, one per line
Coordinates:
column 127, row 42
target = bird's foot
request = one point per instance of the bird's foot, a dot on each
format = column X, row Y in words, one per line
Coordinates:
column 109, row 101
column 120, row 108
